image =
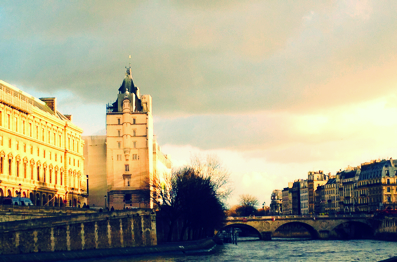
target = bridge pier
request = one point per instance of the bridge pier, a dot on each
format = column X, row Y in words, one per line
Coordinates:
column 266, row 236
column 323, row 234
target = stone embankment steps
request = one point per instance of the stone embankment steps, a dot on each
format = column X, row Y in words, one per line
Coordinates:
column 188, row 247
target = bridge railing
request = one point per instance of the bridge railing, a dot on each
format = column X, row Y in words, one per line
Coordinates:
column 300, row 217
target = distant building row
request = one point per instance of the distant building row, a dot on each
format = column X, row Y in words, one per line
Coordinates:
column 366, row 188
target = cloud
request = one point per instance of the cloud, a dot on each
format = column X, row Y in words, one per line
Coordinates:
column 208, row 57
column 274, row 133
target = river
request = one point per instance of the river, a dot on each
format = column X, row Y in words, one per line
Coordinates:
column 279, row 250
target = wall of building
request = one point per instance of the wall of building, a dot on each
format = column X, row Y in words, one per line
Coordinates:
column 95, row 169
column 41, row 151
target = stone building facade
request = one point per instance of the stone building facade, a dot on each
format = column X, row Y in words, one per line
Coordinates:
column 276, row 203
column 377, row 186
column 129, row 154
column 314, row 179
column 41, row 151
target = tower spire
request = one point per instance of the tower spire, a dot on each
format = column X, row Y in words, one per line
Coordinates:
column 128, row 71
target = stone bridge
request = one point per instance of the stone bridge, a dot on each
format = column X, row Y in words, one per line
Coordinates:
column 318, row 227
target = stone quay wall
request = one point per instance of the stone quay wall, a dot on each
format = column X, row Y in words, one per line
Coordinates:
column 79, row 232
column 13, row 213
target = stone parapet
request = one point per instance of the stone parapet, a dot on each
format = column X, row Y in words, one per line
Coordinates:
column 80, row 232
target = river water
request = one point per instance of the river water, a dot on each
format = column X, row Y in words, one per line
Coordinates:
column 279, row 250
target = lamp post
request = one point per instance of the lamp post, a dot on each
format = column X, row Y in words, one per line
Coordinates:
column 20, row 191
column 105, row 201
column 72, row 196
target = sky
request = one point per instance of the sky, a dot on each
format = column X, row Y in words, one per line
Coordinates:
column 274, row 89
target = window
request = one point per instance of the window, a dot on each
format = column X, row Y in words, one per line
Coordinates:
column 388, row 189
column 44, row 153
column 70, row 161
column 17, row 145
column 388, row 199
column 73, row 143
column 50, row 155
column 17, row 167
column 60, row 139
column 133, row 121
column 24, row 148
column 1, row 164
column 38, row 173
column 134, row 144
column 118, row 121
column 1, row 140
column 118, row 157
column 1, row 118
column 74, row 162
column 388, row 181
column 49, row 137
column 42, row 134
column 55, row 139
column 135, row 157
column 30, row 129
column 9, row 143
column 118, row 144
column 9, row 166
column 118, row 133
column 38, row 152
column 31, row 171
column 133, row 132
column 56, row 157
column 31, row 150
column 127, row 167
column 37, row 132
column 50, row 176
column 56, row 177
column 44, row 174
column 61, row 159
column 61, row 178
column 23, row 126
column 9, row 121
column 24, row 169
column 16, row 124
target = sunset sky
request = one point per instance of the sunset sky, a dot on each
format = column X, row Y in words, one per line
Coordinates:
column 273, row 88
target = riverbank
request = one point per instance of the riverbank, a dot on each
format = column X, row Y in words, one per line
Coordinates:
column 205, row 245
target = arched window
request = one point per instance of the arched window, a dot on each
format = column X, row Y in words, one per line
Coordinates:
column 17, row 167
column 9, row 166
column 38, row 173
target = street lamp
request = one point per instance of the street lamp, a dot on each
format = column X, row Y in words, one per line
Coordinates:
column 105, row 201
column 20, row 191
column 72, row 196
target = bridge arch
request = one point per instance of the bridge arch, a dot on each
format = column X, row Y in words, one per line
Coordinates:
column 242, row 226
column 296, row 224
column 352, row 230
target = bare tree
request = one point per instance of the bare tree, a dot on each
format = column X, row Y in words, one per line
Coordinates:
column 247, row 206
column 211, row 167
column 248, row 200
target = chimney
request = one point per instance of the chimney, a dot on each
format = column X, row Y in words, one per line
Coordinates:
column 69, row 117
column 51, row 102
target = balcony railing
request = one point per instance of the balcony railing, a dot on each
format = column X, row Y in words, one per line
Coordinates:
column 15, row 99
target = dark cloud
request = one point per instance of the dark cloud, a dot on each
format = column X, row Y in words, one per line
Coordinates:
column 208, row 57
